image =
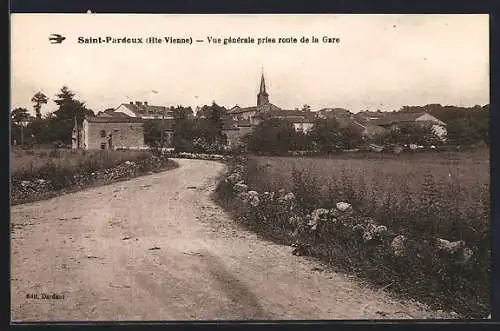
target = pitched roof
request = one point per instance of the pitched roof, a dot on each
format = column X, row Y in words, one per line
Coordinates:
column 143, row 109
column 168, row 123
column 391, row 118
column 334, row 111
column 98, row 119
column 295, row 116
column 238, row 110
column 112, row 113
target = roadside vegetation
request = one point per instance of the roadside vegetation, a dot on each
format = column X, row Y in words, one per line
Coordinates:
column 436, row 204
column 41, row 173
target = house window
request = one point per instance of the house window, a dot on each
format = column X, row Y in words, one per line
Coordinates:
column 103, row 133
column 103, row 145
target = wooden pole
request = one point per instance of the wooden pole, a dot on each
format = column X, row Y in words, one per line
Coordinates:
column 22, row 134
column 162, row 128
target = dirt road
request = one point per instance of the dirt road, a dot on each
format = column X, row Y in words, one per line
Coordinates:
column 157, row 248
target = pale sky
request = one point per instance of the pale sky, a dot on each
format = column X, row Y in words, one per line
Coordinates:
column 382, row 61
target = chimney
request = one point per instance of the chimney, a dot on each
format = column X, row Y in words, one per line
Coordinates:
column 145, row 103
column 138, row 103
column 131, row 102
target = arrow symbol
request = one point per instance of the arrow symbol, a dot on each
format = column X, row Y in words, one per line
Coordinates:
column 56, row 38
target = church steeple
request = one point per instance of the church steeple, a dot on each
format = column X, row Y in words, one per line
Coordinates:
column 262, row 97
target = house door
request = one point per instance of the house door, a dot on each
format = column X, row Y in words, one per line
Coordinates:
column 110, row 141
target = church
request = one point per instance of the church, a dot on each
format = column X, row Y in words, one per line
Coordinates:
column 264, row 109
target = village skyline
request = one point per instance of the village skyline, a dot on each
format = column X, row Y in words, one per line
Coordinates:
column 383, row 62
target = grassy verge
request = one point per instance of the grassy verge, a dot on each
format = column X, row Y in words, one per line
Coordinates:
column 422, row 199
column 41, row 174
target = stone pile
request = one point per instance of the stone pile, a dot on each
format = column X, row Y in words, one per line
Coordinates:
column 199, row 156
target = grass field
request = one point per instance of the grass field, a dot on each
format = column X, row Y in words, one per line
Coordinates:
column 45, row 162
column 453, row 187
column 423, row 196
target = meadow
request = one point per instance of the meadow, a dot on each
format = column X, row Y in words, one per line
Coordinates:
column 45, row 163
column 421, row 196
column 42, row 173
column 439, row 194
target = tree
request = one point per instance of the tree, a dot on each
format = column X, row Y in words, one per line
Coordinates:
column 326, row 134
column 215, row 119
column 64, row 117
column 38, row 100
column 300, row 141
column 350, row 137
column 462, row 132
column 410, row 133
column 18, row 117
column 273, row 136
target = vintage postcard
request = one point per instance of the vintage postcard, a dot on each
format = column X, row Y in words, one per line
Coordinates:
column 249, row 167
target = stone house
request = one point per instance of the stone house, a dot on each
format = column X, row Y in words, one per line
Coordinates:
column 112, row 133
column 122, row 127
column 390, row 121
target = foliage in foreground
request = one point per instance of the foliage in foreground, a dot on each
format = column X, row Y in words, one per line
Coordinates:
column 430, row 212
column 60, row 166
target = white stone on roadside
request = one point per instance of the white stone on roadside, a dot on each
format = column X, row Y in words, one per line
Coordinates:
column 467, row 254
column 381, row 229
column 398, row 245
column 449, row 247
column 240, row 188
column 343, row 206
column 253, row 198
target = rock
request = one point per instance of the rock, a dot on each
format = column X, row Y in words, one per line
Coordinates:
column 253, row 198
column 398, row 245
column 312, row 222
column 25, row 183
column 467, row 254
column 240, row 187
column 367, row 236
column 234, row 177
column 320, row 214
column 243, row 196
column 358, row 227
column 343, row 206
column 449, row 247
column 294, row 220
column 380, row 230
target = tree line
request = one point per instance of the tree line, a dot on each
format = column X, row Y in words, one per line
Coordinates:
column 203, row 130
column 55, row 126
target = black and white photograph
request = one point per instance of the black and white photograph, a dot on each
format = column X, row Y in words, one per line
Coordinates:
column 249, row 167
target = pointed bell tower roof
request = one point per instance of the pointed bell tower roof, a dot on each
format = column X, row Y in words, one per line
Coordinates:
column 262, row 89
column 262, row 97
